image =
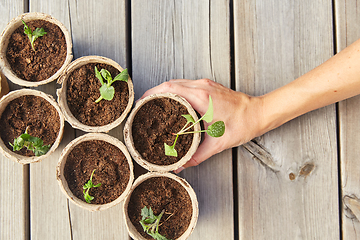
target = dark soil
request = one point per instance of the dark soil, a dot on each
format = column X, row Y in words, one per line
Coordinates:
column 153, row 126
column 162, row 193
column 112, row 170
column 83, row 90
column 45, row 61
column 34, row 112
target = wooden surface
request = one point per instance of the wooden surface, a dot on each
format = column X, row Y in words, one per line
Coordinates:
column 276, row 42
column 300, row 181
column 348, row 25
column 14, row 178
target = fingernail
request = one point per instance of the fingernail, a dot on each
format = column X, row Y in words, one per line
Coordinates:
column 179, row 170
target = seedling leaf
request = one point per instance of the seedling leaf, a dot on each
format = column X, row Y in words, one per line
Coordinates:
column 208, row 116
column 33, row 35
column 170, row 150
column 106, row 90
column 123, row 76
column 34, row 144
column 98, row 75
column 87, row 186
column 106, row 74
column 189, row 118
column 150, row 223
column 217, row 129
column 41, row 150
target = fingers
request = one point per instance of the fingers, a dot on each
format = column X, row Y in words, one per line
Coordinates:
column 188, row 89
column 201, row 154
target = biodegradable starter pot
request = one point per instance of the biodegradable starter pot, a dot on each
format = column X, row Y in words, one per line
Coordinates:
column 41, row 110
column 43, row 66
column 80, row 110
column 113, row 169
column 164, row 119
column 162, row 191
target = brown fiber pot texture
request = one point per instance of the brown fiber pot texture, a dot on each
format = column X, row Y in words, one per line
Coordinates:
column 128, row 135
column 194, row 203
column 16, row 94
column 62, row 98
column 63, row 182
column 5, row 36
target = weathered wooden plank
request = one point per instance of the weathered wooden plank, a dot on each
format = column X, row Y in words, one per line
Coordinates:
column 92, row 35
column 49, row 213
column 189, row 39
column 14, row 182
column 347, row 31
column 99, row 29
column 297, row 196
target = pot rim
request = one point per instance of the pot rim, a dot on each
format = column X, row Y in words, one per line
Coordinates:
column 4, row 41
column 130, row 143
column 61, row 165
column 4, row 86
column 194, row 203
column 62, row 100
column 5, row 100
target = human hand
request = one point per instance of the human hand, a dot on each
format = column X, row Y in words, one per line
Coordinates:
column 241, row 114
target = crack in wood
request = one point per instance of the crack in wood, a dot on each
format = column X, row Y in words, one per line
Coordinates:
column 69, row 216
column 261, row 154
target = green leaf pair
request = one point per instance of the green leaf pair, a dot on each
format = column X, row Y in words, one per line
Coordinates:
column 216, row 129
column 87, row 188
column 106, row 90
column 150, row 223
column 33, row 35
column 34, row 144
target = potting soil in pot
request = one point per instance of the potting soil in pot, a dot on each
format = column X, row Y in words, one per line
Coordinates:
column 83, row 90
column 154, row 125
column 112, row 170
column 34, row 113
column 162, row 193
column 45, row 61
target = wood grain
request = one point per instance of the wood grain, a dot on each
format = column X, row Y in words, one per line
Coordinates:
column 347, row 31
column 275, row 42
column 99, row 29
column 48, row 206
column 179, row 39
column 14, row 182
column 93, row 34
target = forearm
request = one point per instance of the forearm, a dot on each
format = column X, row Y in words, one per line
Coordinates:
column 333, row 81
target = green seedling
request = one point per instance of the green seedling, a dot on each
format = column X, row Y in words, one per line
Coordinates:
column 33, row 35
column 87, row 188
column 106, row 90
column 217, row 129
column 33, row 144
column 150, row 223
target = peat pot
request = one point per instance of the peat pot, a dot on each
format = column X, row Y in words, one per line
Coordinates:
column 153, row 122
column 32, row 111
column 166, row 193
column 28, row 65
column 102, row 159
column 80, row 90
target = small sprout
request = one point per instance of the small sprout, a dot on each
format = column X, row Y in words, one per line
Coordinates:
column 217, row 129
column 106, row 90
column 33, row 35
column 150, row 223
column 87, row 187
column 33, row 144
